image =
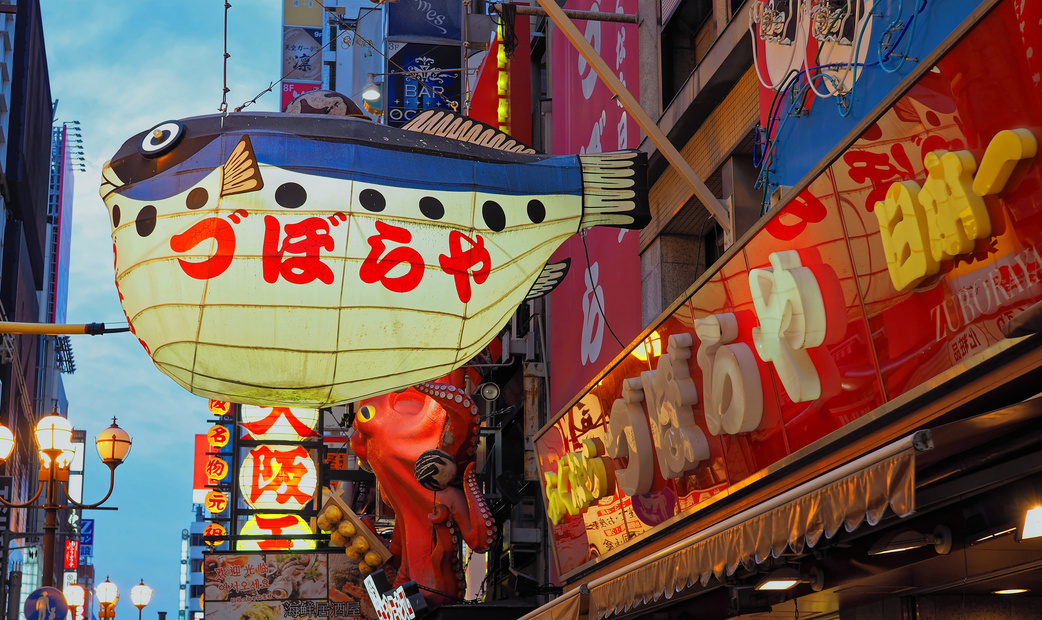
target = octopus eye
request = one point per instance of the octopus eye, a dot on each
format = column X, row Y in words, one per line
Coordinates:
column 366, row 413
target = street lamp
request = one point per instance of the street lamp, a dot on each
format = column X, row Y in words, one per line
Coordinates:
column 140, row 595
column 54, row 440
column 108, row 594
column 74, row 596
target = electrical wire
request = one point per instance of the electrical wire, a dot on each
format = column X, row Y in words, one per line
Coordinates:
column 604, row 317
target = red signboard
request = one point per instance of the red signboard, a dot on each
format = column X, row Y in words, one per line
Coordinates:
column 900, row 261
column 72, row 554
column 292, row 90
column 596, row 299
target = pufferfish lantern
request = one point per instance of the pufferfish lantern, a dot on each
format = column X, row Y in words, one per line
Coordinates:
column 311, row 260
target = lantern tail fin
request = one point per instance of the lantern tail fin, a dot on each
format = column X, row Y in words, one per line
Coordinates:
column 552, row 275
column 615, row 189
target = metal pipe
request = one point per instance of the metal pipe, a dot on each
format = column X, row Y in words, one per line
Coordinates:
column 622, row 18
column 58, row 329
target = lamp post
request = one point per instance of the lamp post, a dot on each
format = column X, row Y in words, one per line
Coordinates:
column 74, row 596
column 140, row 595
column 54, row 440
column 108, row 594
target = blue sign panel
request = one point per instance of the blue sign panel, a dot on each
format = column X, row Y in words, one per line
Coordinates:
column 431, row 19
column 425, row 83
column 86, row 551
column 86, row 532
column 46, row 604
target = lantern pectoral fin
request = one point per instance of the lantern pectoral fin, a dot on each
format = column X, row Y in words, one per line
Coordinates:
column 552, row 275
column 241, row 173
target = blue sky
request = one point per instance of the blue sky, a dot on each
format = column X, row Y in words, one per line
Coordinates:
column 120, row 67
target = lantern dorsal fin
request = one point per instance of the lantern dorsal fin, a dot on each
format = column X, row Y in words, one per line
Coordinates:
column 551, row 276
column 241, row 173
column 448, row 124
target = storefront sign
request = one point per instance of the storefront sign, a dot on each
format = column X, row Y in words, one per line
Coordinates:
column 281, row 586
column 424, row 80
column 900, row 261
column 279, row 423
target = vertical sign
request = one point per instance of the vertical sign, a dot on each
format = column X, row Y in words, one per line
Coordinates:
column 5, row 512
column 601, row 295
column 86, row 538
column 72, row 554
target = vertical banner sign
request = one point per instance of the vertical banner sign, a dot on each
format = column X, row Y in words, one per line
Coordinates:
column 604, row 291
column 72, row 554
column 426, row 83
column 5, row 512
column 430, row 19
column 301, row 54
column 86, row 539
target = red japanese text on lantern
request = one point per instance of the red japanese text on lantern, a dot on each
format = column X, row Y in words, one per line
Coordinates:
column 216, row 502
column 218, row 436
column 288, row 423
column 278, row 478
column 216, row 468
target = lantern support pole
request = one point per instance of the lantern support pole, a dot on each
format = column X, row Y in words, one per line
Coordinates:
column 58, row 329
column 715, row 206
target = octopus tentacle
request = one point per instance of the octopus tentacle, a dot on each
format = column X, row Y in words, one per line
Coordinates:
column 460, row 437
column 476, row 524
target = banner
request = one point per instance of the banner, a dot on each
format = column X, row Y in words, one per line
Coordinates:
column 283, row 586
column 301, row 54
column 601, row 294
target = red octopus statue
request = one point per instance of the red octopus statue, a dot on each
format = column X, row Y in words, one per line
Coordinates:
column 417, row 442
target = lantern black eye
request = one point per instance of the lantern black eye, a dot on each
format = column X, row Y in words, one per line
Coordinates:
column 146, row 220
column 366, row 413
column 197, row 198
column 536, row 211
column 432, row 208
column 161, row 138
column 290, row 195
column 493, row 215
column 372, row 200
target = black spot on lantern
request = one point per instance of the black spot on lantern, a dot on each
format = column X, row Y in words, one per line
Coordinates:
column 145, row 220
column 290, row 195
column 372, row 200
column 493, row 215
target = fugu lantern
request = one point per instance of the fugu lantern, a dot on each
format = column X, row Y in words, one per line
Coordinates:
column 278, row 478
column 274, row 259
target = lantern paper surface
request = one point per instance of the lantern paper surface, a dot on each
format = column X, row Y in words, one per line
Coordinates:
column 276, row 525
column 278, row 478
column 312, row 260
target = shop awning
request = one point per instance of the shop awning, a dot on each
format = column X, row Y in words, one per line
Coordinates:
column 843, row 498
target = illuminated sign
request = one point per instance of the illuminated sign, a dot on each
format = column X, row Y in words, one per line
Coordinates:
column 216, row 530
column 275, row 525
column 897, row 264
column 279, row 423
column 278, row 478
column 216, row 502
column 217, row 468
column 922, row 226
column 218, row 436
column 72, row 554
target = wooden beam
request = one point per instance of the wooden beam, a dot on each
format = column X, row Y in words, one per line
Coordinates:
column 715, row 206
